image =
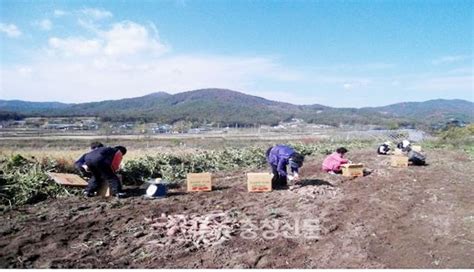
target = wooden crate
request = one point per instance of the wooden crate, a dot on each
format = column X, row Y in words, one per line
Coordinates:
column 259, row 182
column 199, row 182
column 353, row 170
column 399, row 161
column 68, row 179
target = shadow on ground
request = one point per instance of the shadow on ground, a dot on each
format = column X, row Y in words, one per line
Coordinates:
column 314, row 182
column 134, row 192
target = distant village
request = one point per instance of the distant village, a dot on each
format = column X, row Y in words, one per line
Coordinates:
column 96, row 126
column 92, row 125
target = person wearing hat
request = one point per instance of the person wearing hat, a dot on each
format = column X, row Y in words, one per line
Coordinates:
column 279, row 157
column 103, row 163
column 404, row 145
column 384, row 148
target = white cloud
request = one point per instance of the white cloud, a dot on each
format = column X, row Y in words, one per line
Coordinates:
column 10, row 30
column 354, row 84
column 59, row 12
column 347, row 86
column 89, row 25
column 25, row 70
column 45, row 24
column 96, row 14
column 450, row 59
column 71, row 47
column 129, row 38
column 92, row 18
column 123, row 40
column 97, row 77
column 127, row 59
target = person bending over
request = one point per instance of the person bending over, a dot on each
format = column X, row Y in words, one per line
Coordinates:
column 103, row 163
column 404, row 145
column 80, row 164
column 384, row 149
column 279, row 157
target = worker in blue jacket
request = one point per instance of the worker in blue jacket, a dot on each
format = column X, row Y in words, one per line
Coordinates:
column 279, row 157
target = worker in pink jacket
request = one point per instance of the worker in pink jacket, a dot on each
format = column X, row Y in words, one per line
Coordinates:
column 333, row 162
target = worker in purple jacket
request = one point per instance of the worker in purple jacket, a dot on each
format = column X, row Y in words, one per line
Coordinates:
column 279, row 157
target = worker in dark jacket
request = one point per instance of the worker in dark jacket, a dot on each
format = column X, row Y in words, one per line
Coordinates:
column 384, row 148
column 80, row 164
column 279, row 157
column 416, row 158
column 103, row 163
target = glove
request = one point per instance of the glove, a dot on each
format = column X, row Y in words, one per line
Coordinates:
column 296, row 177
column 84, row 166
column 85, row 171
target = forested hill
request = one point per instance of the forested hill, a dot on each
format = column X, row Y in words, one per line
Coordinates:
column 231, row 107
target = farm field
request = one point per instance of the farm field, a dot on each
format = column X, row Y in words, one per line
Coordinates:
column 236, row 135
column 418, row 217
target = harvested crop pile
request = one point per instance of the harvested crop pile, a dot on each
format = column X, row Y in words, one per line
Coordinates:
column 199, row 230
column 315, row 191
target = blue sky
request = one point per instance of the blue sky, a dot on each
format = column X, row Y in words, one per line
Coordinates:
column 336, row 53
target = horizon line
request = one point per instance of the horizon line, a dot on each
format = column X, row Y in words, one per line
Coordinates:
column 225, row 89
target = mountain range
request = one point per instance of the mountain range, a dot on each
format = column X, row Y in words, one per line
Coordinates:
column 229, row 107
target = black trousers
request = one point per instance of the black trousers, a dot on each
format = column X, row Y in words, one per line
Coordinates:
column 103, row 173
column 278, row 181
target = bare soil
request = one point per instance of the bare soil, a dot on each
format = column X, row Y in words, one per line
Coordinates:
column 417, row 217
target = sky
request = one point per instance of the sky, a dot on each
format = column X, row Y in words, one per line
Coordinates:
column 335, row 53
